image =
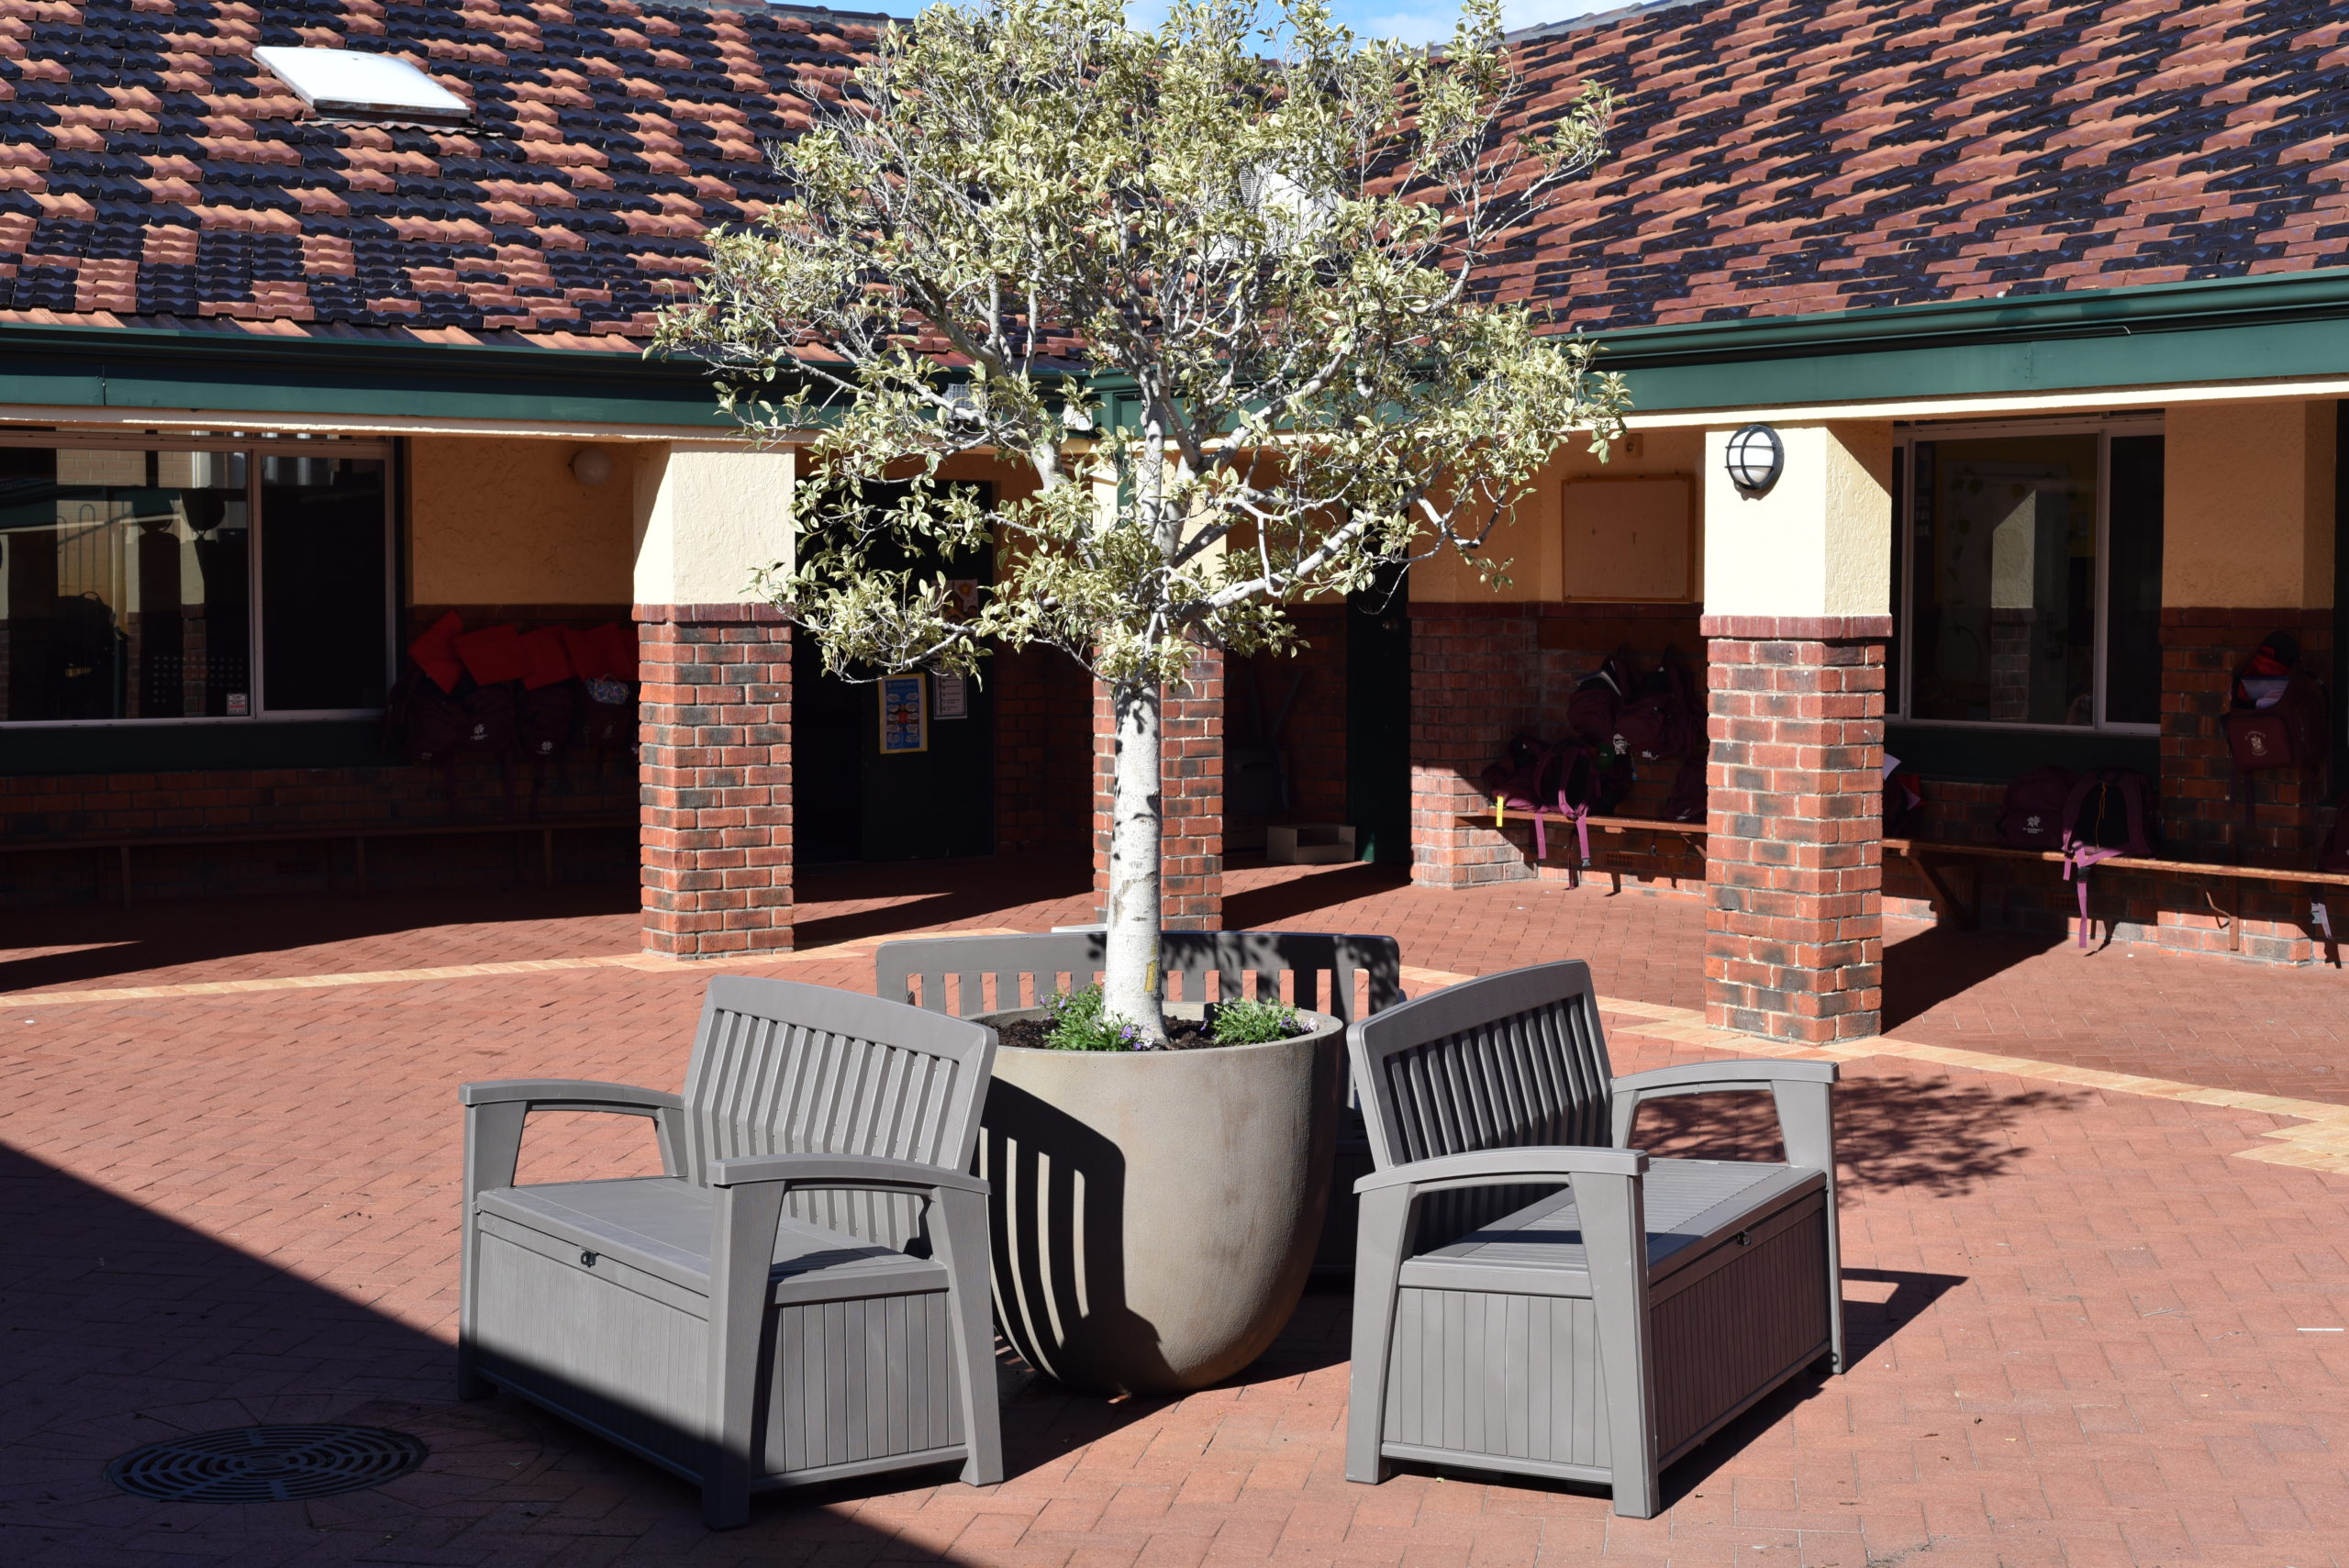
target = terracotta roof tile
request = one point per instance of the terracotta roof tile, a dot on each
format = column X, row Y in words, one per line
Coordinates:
column 1772, row 157
column 1777, row 157
column 158, row 172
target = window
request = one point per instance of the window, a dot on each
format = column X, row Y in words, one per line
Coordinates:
column 2027, row 567
column 129, row 577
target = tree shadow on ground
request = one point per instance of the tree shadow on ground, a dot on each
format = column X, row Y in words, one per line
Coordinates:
column 1889, row 1133
column 1922, row 970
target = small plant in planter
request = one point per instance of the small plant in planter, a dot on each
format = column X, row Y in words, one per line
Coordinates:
column 1078, row 1020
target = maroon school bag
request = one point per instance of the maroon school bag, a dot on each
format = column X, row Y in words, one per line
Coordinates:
column 2276, row 713
column 1541, row 776
column 2031, row 815
column 2109, row 812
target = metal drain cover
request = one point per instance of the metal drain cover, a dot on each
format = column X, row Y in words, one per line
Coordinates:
column 266, row 1464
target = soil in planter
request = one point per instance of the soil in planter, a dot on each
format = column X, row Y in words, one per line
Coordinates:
column 1182, row 1034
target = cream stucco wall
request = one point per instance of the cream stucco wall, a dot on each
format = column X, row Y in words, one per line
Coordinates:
column 2247, row 506
column 1819, row 542
column 707, row 517
column 1542, row 566
column 504, row 521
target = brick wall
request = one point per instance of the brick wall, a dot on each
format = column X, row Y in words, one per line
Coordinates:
column 2200, row 650
column 715, row 765
column 1313, row 741
column 67, row 809
column 1483, row 672
column 1794, row 934
column 1043, row 718
column 1191, row 771
column 70, row 808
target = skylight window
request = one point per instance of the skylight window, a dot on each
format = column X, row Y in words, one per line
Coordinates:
column 347, row 84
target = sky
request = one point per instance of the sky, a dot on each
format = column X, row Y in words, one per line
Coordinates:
column 1419, row 21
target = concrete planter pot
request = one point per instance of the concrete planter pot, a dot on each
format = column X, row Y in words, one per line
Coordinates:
column 1156, row 1213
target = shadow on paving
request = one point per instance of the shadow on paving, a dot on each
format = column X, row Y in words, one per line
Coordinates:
column 1887, row 1134
column 926, row 893
column 162, row 935
column 1935, row 966
column 123, row 1326
column 1258, row 908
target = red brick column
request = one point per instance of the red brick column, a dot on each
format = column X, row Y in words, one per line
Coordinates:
column 1191, row 774
column 1475, row 681
column 1794, row 937
column 714, row 770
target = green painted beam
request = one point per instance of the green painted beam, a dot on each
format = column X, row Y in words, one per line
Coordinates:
column 2163, row 335
column 2158, row 335
column 135, row 368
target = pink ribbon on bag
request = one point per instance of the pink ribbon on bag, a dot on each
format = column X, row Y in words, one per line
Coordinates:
column 2082, row 857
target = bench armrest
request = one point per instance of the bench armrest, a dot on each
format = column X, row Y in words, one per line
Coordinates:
column 1506, row 1167
column 495, row 1110
column 841, row 1170
column 1803, row 1092
column 570, row 1095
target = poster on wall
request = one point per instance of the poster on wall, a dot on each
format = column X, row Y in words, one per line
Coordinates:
column 905, row 714
column 950, row 698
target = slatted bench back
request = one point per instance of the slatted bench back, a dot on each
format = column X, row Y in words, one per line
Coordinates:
column 967, row 976
column 1509, row 1060
column 783, row 1068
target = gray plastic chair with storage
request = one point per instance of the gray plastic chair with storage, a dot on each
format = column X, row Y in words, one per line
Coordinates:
column 801, row 1297
column 1532, row 1297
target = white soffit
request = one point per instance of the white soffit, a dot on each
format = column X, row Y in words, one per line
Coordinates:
column 347, row 83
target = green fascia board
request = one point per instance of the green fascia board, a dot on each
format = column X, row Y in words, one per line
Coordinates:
column 2156, row 335
column 140, row 368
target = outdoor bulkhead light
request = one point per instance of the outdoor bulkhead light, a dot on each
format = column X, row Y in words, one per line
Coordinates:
column 1755, row 458
column 591, row 466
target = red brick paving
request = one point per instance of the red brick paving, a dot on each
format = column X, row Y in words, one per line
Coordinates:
column 2080, row 1320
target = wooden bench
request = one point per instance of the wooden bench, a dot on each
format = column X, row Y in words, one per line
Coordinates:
column 1932, row 857
column 122, row 844
column 1929, row 856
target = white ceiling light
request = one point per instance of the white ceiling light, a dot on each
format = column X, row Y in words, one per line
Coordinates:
column 348, row 84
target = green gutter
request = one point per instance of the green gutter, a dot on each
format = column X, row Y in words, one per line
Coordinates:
column 2156, row 335
column 142, row 367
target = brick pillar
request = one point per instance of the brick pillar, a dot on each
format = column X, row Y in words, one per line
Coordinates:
column 1475, row 681
column 1191, row 775
column 1793, row 935
column 713, row 770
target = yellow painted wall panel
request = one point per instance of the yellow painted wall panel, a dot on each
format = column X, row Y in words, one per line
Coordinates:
column 502, row 520
column 2247, row 506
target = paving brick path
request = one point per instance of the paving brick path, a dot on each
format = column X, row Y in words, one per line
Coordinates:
column 2085, row 1325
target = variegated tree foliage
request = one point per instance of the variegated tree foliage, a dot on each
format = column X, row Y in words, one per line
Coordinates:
column 1212, row 285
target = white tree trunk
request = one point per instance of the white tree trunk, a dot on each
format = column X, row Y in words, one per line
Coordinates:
column 1131, row 985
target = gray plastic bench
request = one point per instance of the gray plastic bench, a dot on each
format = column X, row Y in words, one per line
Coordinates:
column 1532, row 1297
column 802, row 1297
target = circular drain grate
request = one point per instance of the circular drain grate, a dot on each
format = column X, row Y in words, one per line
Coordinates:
column 266, row 1464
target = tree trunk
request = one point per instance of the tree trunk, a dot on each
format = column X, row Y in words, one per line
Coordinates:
column 1131, row 985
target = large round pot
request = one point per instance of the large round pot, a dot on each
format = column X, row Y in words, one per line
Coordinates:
column 1155, row 1213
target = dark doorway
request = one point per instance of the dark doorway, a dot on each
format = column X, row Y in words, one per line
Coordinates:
column 1378, row 719
column 852, row 801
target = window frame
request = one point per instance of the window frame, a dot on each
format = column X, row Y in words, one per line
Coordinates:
column 1906, row 435
column 255, row 445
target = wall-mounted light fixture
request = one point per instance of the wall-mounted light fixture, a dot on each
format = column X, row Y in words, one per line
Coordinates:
column 1755, row 458
column 591, row 466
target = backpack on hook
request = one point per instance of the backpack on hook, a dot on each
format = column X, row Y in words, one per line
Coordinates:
column 2109, row 812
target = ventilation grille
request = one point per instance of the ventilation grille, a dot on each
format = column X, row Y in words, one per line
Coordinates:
column 266, row 1464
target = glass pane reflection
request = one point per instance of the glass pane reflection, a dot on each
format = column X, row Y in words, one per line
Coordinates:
column 125, row 584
